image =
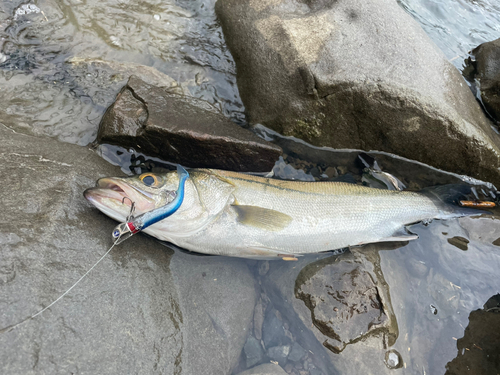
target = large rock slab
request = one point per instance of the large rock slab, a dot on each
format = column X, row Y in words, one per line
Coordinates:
column 182, row 129
column 486, row 70
column 144, row 309
column 356, row 74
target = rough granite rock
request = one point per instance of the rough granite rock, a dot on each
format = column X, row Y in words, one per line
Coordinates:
column 332, row 312
column 265, row 369
column 182, row 129
column 344, row 301
column 143, row 309
column 486, row 69
column 356, row 74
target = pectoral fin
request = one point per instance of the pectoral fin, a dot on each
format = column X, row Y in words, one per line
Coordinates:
column 262, row 218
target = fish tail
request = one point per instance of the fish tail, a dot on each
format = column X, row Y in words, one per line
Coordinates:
column 447, row 198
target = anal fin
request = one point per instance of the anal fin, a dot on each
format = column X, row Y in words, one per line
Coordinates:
column 401, row 235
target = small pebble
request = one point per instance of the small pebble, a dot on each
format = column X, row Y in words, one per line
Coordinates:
column 331, row 172
column 393, row 359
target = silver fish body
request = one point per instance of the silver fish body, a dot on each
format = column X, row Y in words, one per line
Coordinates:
column 233, row 214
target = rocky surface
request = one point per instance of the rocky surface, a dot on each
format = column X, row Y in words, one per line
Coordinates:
column 182, row 129
column 344, row 301
column 479, row 349
column 265, row 369
column 329, row 304
column 357, row 75
column 486, row 70
column 143, row 309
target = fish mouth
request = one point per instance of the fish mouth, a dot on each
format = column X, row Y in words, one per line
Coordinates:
column 114, row 197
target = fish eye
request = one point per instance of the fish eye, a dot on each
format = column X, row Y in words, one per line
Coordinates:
column 149, row 179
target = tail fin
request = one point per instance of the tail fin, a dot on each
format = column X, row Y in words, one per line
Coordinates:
column 447, row 198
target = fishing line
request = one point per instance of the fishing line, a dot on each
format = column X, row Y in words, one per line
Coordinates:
column 123, row 231
column 11, row 327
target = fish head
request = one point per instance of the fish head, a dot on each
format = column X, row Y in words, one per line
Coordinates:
column 115, row 195
column 205, row 197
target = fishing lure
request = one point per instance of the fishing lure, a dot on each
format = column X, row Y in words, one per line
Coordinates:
column 134, row 225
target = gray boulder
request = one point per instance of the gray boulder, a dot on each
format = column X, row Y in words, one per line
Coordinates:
column 486, row 70
column 356, row 74
column 340, row 306
column 144, row 309
column 182, row 129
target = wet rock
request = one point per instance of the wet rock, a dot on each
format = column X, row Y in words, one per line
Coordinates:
column 273, row 332
column 279, row 354
column 258, row 320
column 331, row 172
column 459, row 242
column 486, row 70
column 265, row 369
column 344, row 301
column 296, row 353
column 328, row 73
column 253, row 351
column 182, row 129
column 481, row 229
column 142, row 309
column 479, row 348
column 217, row 310
column 393, row 359
column 307, row 294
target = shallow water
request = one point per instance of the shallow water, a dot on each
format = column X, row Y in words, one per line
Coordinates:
column 44, row 93
column 456, row 26
column 431, row 285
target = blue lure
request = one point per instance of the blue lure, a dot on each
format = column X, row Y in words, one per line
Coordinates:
column 134, row 225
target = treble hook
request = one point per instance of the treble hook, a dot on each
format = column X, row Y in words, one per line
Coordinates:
column 132, row 208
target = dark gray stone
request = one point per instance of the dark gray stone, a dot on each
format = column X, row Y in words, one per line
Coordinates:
column 273, row 332
column 143, row 309
column 253, row 351
column 356, row 74
column 279, row 354
column 312, row 317
column 265, row 369
column 182, row 129
column 343, row 299
column 486, row 69
column 296, row 353
column 258, row 319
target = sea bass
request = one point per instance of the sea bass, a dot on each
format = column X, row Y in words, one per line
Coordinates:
column 234, row 214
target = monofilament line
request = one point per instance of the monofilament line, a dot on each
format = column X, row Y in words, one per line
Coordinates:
column 10, row 328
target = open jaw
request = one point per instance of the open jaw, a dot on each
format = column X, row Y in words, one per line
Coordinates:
column 114, row 197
